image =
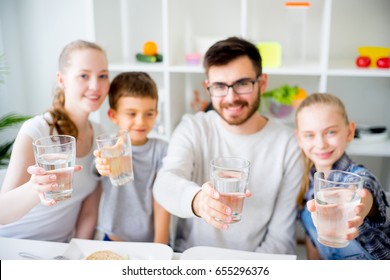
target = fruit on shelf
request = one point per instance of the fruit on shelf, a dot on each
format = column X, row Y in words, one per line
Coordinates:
column 150, row 48
column 363, row 61
column 149, row 58
column 383, row 62
column 374, row 53
column 282, row 101
column 301, row 95
column 149, row 53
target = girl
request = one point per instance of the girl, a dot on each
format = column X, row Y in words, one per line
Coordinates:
column 82, row 87
column 323, row 132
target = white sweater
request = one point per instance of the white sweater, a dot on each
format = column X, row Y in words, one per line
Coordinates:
column 268, row 220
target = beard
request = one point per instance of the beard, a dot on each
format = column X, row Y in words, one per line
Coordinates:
column 238, row 120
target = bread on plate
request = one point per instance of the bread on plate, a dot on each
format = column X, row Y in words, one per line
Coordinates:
column 104, row 255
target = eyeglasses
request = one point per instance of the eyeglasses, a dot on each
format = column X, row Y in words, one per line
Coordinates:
column 244, row 86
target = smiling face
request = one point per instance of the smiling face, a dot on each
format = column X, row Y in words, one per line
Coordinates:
column 137, row 115
column 323, row 134
column 84, row 80
column 235, row 109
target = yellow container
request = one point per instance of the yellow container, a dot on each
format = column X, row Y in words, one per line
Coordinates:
column 271, row 54
column 374, row 53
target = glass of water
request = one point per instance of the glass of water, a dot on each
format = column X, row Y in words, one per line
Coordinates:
column 337, row 193
column 230, row 176
column 57, row 155
column 116, row 148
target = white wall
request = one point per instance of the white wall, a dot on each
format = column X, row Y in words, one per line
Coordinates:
column 33, row 33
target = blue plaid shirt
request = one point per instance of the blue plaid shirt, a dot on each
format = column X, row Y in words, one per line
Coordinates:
column 374, row 236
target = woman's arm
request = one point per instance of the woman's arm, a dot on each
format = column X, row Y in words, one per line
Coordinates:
column 21, row 158
column 88, row 216
column 24, row 183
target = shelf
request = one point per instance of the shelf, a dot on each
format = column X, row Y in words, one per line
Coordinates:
column 146, row 67
column 291, row 68
column 376, row 149
column 348, row 68
column 186, row 68
column 288, row 69
column 176, row 27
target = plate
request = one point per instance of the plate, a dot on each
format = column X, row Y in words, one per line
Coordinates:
column 78, row 249
column 213, row 253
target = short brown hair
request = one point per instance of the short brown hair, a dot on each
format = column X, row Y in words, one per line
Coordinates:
column 225, row 51
column 131, row 84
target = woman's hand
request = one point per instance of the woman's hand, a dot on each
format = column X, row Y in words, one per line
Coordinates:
column 206, row 205
column 43, row 182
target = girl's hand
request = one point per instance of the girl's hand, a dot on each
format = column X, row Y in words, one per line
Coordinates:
column 352, row 224
column 101, row 164
column 214, row 212
column 361, row 210
column 43, row 182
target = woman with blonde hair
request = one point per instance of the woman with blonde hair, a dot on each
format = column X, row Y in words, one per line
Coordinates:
column 83, row 85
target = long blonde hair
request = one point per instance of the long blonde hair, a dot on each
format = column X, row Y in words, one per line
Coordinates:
column 315, row 99
column 60, row 117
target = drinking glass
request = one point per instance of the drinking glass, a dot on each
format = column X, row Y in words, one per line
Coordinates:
column 230, row 176
column 336, row 195
column 57, row 155
column 116, row 147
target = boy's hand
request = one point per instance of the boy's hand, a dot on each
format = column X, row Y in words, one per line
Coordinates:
column 101, row 164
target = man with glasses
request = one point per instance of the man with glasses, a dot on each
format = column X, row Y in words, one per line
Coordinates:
column 233, row 129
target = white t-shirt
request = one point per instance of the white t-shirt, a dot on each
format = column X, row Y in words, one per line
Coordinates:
column 268, row 219
column 57, row 222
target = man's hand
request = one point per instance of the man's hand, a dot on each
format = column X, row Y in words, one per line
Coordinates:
column 206, row 205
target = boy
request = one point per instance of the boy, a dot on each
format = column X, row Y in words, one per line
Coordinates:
column 129, row 212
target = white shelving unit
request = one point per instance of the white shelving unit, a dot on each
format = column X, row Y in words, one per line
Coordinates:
column 178, row 26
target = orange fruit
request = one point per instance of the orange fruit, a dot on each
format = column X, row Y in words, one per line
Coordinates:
column 301, row 94
column 150, row 48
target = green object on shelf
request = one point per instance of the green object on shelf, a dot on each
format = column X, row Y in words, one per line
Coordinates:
column 284, row 95
column 149, row 58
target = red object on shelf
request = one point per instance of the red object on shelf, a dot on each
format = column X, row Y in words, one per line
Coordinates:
column 383, row 62
column 363, row 61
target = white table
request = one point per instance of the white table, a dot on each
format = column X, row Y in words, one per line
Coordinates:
column 10, row 248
